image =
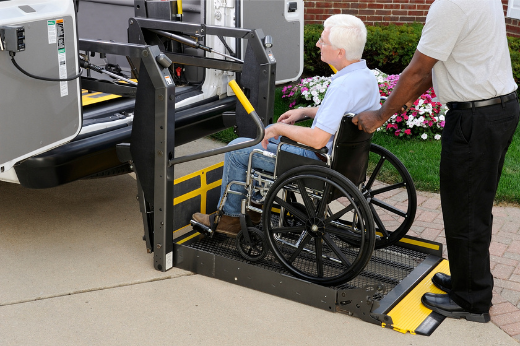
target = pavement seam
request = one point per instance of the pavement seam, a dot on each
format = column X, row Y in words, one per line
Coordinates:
column 96, row 289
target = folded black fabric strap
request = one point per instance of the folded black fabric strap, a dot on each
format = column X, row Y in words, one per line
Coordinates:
column 483, row 103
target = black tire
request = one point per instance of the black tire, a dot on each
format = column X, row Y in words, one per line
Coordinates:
column 394, row 203
column 319, row 248
column 254, row 251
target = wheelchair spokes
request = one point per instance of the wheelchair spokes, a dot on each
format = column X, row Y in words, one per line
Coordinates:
column 394, row 204
column 314, row 236
column 253, row 249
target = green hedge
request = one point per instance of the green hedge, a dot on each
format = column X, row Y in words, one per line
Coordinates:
column 312, row 64
column 514, row 51
column 389, row 48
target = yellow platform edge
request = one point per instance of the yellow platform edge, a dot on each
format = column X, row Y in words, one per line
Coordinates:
column 409, row 313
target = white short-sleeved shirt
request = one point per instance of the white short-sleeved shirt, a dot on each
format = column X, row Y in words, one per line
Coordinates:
column 468, row 37
column 354, row 89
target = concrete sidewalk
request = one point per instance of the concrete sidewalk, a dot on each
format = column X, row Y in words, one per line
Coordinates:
column 75, row 272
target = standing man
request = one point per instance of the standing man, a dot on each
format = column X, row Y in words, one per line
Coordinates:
column 464, row 42
column 353, row 89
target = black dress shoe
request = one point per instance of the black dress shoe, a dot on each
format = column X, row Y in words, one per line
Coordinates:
column 442, row 281
column 443, row 305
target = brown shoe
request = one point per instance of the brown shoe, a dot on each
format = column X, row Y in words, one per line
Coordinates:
column 227, row 225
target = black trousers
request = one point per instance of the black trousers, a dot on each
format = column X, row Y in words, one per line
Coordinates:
column 474, row 144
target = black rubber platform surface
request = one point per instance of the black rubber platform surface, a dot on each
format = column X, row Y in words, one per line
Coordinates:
column 388, row 266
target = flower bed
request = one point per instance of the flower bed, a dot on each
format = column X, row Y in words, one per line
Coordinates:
column 424, row 119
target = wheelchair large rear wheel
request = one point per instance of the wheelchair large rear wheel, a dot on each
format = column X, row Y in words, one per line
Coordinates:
column 394, row 202
column 330, row 237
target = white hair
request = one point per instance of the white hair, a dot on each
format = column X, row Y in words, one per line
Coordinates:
column 347, row 32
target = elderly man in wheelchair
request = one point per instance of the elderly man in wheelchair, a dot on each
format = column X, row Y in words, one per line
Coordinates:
column 316, row 222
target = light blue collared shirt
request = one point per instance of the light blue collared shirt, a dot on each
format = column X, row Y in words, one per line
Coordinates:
column 353, row 89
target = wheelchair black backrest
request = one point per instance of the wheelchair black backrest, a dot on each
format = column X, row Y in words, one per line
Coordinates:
column 349, row 155
column 350, row 151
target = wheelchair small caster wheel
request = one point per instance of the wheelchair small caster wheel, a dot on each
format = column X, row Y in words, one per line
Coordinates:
column 256, row 249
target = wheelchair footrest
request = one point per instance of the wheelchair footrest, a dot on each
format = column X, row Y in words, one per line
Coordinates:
column 203, row 228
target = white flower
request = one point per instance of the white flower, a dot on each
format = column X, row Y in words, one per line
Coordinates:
column 441, row 117
column 437, row 137
column 424, row 136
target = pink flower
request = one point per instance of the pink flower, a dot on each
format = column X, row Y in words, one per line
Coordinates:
column 408, row 132
column 389, row 126
column 398, row 119
column 291, row 105
column 397, row 132
column 442, row 123
column 405, row 117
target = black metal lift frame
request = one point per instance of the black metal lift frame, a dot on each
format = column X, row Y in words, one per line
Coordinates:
column 155, row 104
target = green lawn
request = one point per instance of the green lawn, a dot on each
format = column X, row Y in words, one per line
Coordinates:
column 421, row 158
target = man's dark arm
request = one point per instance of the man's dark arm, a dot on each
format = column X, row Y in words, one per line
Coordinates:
column 413, row 82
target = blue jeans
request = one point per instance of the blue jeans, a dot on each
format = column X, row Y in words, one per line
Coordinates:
column 236, row 164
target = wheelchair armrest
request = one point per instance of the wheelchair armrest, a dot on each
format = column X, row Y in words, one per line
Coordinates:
column 289, row 141
column 302, row 119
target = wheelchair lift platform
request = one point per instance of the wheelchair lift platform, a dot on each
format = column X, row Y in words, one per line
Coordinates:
column 387, row 292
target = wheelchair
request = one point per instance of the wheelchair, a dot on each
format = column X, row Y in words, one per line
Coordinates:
column 322, row 219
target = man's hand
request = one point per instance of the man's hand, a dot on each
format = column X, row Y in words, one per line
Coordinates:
column 292, row 116
column 270, row 132
column 368, row 121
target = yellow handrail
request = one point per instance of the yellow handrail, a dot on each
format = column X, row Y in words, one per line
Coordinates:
column 241, row 97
